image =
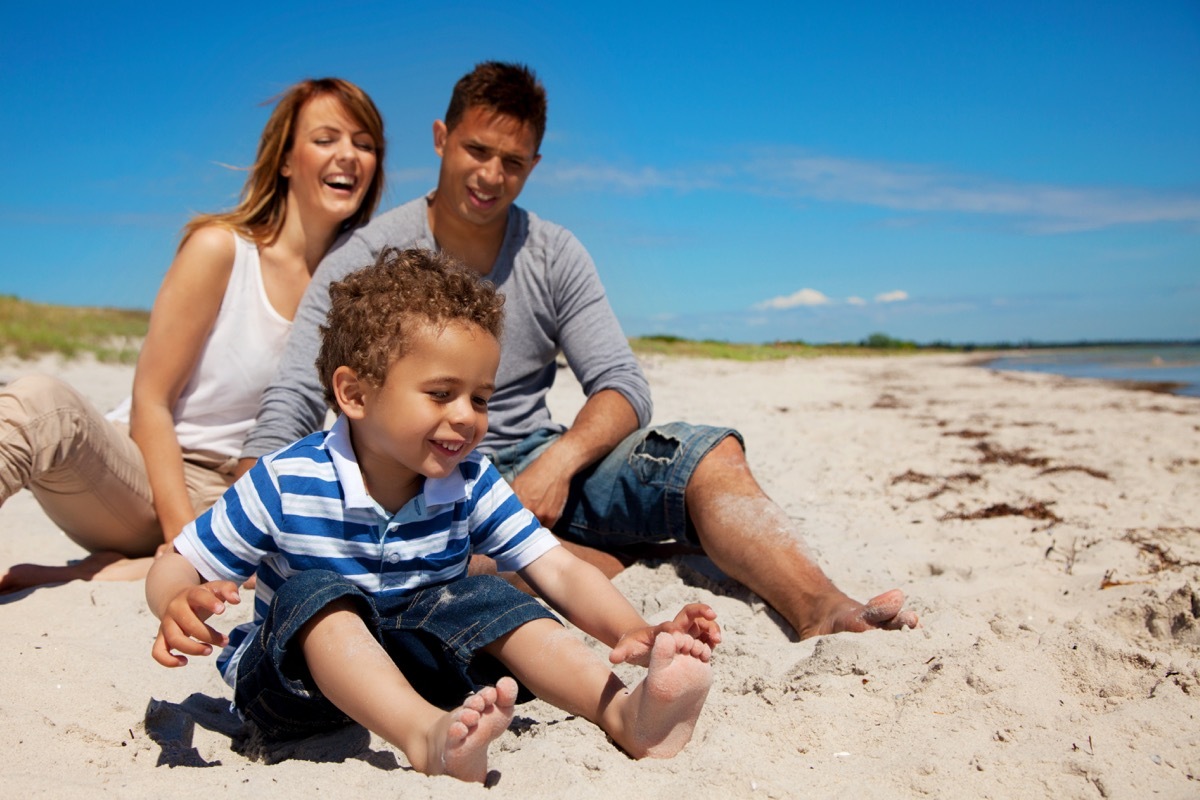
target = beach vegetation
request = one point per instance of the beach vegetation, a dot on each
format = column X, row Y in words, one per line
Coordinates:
column 881, row 341
column 29, row 330
column 667, row 344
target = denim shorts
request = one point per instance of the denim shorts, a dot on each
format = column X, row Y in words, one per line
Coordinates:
column 434, row 636
column 634, row 496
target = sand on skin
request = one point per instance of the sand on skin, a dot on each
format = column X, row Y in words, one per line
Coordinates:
column 1002, row 504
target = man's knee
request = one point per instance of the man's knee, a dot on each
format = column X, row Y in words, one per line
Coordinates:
column 723, row 469
column 725, row 454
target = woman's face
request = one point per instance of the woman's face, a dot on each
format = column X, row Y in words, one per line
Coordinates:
column 332, row 162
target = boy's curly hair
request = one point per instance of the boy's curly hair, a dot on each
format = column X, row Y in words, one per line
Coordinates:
column 374, row 310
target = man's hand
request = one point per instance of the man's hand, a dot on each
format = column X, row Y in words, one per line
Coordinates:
column 183, row 626
column 542, row 488
column 695, row 624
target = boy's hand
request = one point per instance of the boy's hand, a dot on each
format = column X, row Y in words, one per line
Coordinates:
column 694, row 628
column 697, row 620
column 183, row 628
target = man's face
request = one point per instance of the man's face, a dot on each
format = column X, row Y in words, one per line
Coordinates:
column 485, row 162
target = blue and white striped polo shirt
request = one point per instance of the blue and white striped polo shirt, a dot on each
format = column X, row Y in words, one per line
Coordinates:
column 306, row 507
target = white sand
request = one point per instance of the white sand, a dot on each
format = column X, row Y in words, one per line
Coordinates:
column 1028, row 679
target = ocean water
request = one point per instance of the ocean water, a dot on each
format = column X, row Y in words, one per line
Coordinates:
column 1154, row 363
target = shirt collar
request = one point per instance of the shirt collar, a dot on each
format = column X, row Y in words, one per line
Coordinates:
column 345, row 465
column 436, row 491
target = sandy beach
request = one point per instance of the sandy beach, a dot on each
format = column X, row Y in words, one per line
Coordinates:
column 1046, row 530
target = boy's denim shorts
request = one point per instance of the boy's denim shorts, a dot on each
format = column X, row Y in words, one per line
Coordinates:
column 434, row 636
column 634, row 496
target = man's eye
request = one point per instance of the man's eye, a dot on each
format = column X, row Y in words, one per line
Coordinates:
column 515, row 165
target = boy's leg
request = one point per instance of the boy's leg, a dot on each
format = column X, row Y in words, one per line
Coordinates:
column 355, row 673
column 655, row 719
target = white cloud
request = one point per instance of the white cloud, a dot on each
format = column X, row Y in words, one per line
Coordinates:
column 917, row 188
column 856, row 301
column 908, row 188
column 635, row 181
column 804, row 297
column 891, row 297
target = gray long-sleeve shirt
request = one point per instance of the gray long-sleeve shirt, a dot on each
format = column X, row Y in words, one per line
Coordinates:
column 554, row 302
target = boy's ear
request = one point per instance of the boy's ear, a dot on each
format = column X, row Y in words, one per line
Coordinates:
column 350, row 392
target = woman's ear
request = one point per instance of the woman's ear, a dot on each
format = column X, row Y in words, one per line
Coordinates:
column 350, row 392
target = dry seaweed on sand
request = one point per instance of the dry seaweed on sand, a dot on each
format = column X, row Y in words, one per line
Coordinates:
column 1035, row 510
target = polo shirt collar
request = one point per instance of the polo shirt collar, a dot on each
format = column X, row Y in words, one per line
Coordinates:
column 345, row 465
column 435, row 492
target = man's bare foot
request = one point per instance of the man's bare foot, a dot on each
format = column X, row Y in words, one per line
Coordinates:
column 843, row 615
column 661, row 711
column 459, row 745
column 102, row 566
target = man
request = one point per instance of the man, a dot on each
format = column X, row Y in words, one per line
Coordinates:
column 608, row 481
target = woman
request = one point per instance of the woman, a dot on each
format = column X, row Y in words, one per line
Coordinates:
column 216, row 331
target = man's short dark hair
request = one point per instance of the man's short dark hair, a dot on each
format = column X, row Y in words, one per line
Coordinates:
column 509, row 89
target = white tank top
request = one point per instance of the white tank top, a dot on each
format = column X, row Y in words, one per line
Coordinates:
column 218, row 405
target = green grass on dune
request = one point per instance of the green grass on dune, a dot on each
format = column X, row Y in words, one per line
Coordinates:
column 875, row 344
column 29, row 330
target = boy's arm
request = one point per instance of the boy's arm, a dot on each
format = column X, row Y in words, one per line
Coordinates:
column 583, row 595
column 176, row 595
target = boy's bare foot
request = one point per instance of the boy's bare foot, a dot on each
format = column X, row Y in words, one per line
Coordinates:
column 459, row 745
column 844, row 615
column 662, row 710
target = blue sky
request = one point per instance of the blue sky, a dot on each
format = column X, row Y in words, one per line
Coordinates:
column 933, row 170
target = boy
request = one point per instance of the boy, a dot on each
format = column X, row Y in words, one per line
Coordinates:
column 360, row 537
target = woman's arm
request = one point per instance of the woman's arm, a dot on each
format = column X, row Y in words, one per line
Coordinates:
column 182, row 318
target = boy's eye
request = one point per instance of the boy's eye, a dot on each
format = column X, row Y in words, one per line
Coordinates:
column 514, row 164
column 480, row 402
column 440, row 396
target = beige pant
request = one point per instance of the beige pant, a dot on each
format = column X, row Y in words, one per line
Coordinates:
column 86, row 472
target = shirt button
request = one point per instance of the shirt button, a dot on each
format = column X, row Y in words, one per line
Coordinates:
column 394, row 558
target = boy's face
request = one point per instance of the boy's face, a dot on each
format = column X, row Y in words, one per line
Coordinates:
column 431, row 410
column 486, row 160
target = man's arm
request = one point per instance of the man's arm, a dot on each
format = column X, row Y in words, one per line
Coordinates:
column 591, row 339
column 604, row 421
